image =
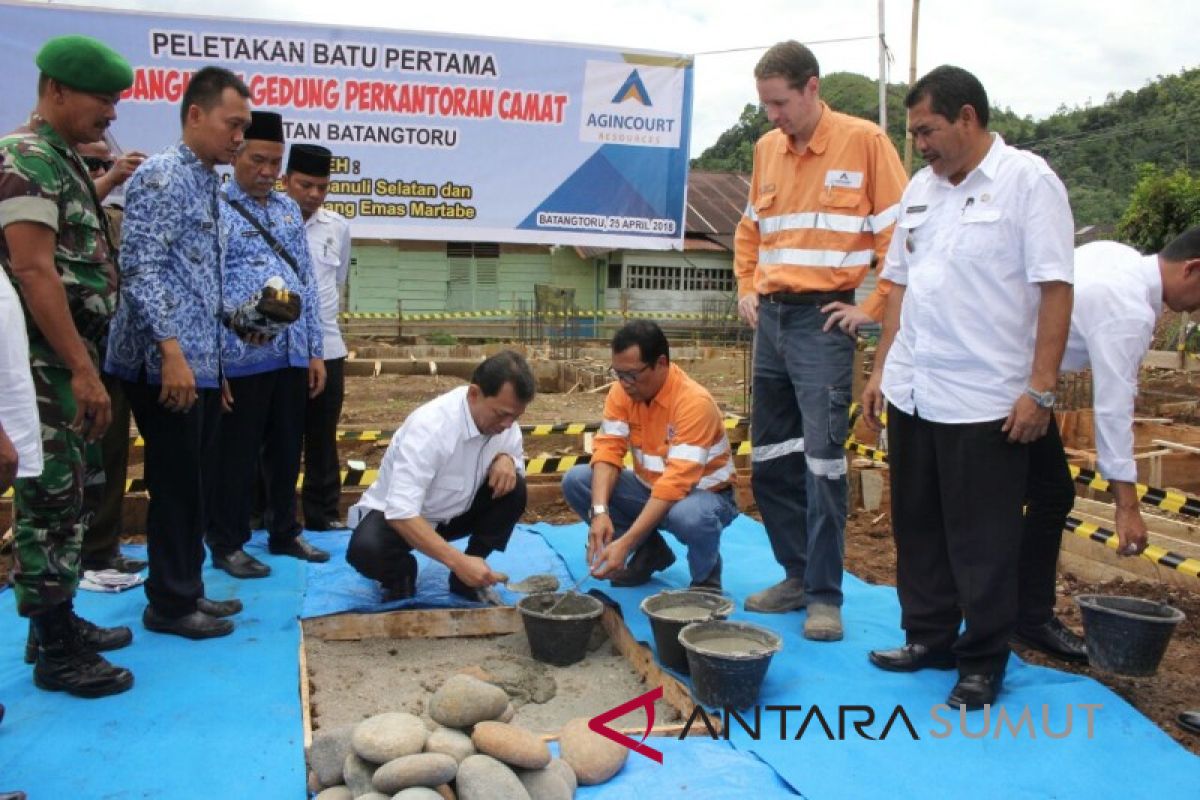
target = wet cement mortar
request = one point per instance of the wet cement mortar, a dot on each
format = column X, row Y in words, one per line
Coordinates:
column 353, row 680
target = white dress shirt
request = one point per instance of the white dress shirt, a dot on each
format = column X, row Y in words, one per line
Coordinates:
column 436, row 462
column 1118, row 299
column 18, row 404
column 329, row 245
column 970, row 257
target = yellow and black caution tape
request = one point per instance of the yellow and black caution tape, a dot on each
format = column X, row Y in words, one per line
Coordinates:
column 1159, row 555
column 1166, row 499
column 499, row 313
column 532, row 429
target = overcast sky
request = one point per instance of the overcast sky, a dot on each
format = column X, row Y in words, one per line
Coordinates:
column 1032, row 55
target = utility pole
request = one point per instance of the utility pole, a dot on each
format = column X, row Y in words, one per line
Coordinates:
column 912, row 78
column 882, row 72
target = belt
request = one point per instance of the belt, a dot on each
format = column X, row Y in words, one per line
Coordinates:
column 809, row 298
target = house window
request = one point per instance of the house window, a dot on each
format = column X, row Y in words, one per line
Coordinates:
column 472, row 250
column 676, row 278
column 614, row 275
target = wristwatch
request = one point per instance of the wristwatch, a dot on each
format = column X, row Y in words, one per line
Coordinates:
column 1043, row 399
column 596, row 510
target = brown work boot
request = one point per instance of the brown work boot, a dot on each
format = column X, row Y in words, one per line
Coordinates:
column 824, row 623
column 65, row 664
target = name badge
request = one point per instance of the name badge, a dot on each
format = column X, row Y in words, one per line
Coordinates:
column 843, row 179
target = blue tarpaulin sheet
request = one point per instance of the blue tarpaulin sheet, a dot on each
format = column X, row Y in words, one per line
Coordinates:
column 221, row 718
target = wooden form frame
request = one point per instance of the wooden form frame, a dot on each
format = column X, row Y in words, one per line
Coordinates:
column 492, row 621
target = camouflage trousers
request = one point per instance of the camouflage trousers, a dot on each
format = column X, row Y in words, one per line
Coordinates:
column 47, row 529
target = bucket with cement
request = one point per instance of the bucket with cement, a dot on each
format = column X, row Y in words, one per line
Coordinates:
column 559, row 638
column 669, row 611
column 1126, row 635
column 728, row 661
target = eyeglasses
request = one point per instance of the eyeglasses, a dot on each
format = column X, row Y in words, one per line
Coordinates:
column 627, row 375
column 93, row 163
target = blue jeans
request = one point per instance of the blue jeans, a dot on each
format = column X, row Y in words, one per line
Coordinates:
column 798, row 432
column 697, row 520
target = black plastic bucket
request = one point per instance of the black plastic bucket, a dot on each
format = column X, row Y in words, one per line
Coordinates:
column 1126, row 635
column 560, row 638
column 671, row 610
column 728, row 661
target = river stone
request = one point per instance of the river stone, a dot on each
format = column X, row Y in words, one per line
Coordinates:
column 328, row 754
column 455, row 744
column 335, row 793
column 426, row 769
column 417, row 793
column 594, row 758
column 566, row 773
column 446, row 791
column 509, row 713
column 514, row 746
column 384, row 737
column 357, row 773
column 462, row 701
column 485, row 778
column 374, row 796
column 545, row 784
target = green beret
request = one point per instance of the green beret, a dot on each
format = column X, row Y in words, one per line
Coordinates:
column 86, row 64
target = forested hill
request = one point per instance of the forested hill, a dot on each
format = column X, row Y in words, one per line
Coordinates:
column 1098, row 150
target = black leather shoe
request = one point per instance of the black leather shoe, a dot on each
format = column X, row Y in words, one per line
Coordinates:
column 219, row 608
column 196, row 625
column 976, row 690
column 298, row 548
column 118, row 562
column 241, row 564
column 403, row 589
column 1055, row 640
column 911, row 658
column 712, row 583
column 653, row 555
column 1189, row 721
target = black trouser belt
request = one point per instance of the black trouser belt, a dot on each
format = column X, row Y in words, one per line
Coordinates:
column 809, row 298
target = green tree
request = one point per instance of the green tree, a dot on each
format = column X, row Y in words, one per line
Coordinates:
column 1162, row 207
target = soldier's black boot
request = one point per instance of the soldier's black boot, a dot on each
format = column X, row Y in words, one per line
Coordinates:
column 65, row 663
column 95, row 638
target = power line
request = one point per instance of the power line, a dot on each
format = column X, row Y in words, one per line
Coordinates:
column 873, row 38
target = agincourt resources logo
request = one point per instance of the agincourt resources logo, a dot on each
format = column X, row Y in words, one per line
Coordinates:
column 632, row 105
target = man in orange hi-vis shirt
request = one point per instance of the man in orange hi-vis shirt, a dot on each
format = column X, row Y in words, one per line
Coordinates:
column 682, row 477
column 823, row 202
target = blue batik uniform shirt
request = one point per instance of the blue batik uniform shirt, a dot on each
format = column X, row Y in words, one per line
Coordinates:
column 249, row 264
column 170, row 270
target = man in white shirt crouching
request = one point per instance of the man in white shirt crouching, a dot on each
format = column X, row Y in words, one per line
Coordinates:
column 455, row 468
column 1119, row 297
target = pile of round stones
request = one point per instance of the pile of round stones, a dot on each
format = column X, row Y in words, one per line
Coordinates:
column 467, row 750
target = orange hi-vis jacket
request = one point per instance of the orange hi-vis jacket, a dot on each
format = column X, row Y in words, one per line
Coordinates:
column 815, row 218
column 678, row 439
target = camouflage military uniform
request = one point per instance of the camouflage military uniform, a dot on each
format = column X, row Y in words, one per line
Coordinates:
column 36, row 166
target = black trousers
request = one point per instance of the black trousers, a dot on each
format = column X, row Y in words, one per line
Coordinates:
column 1049, row 498
column 379, row 553
column 957, row 492
column 322, row 482
column 267, row 419
column 102, row 501
column 180, row 459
